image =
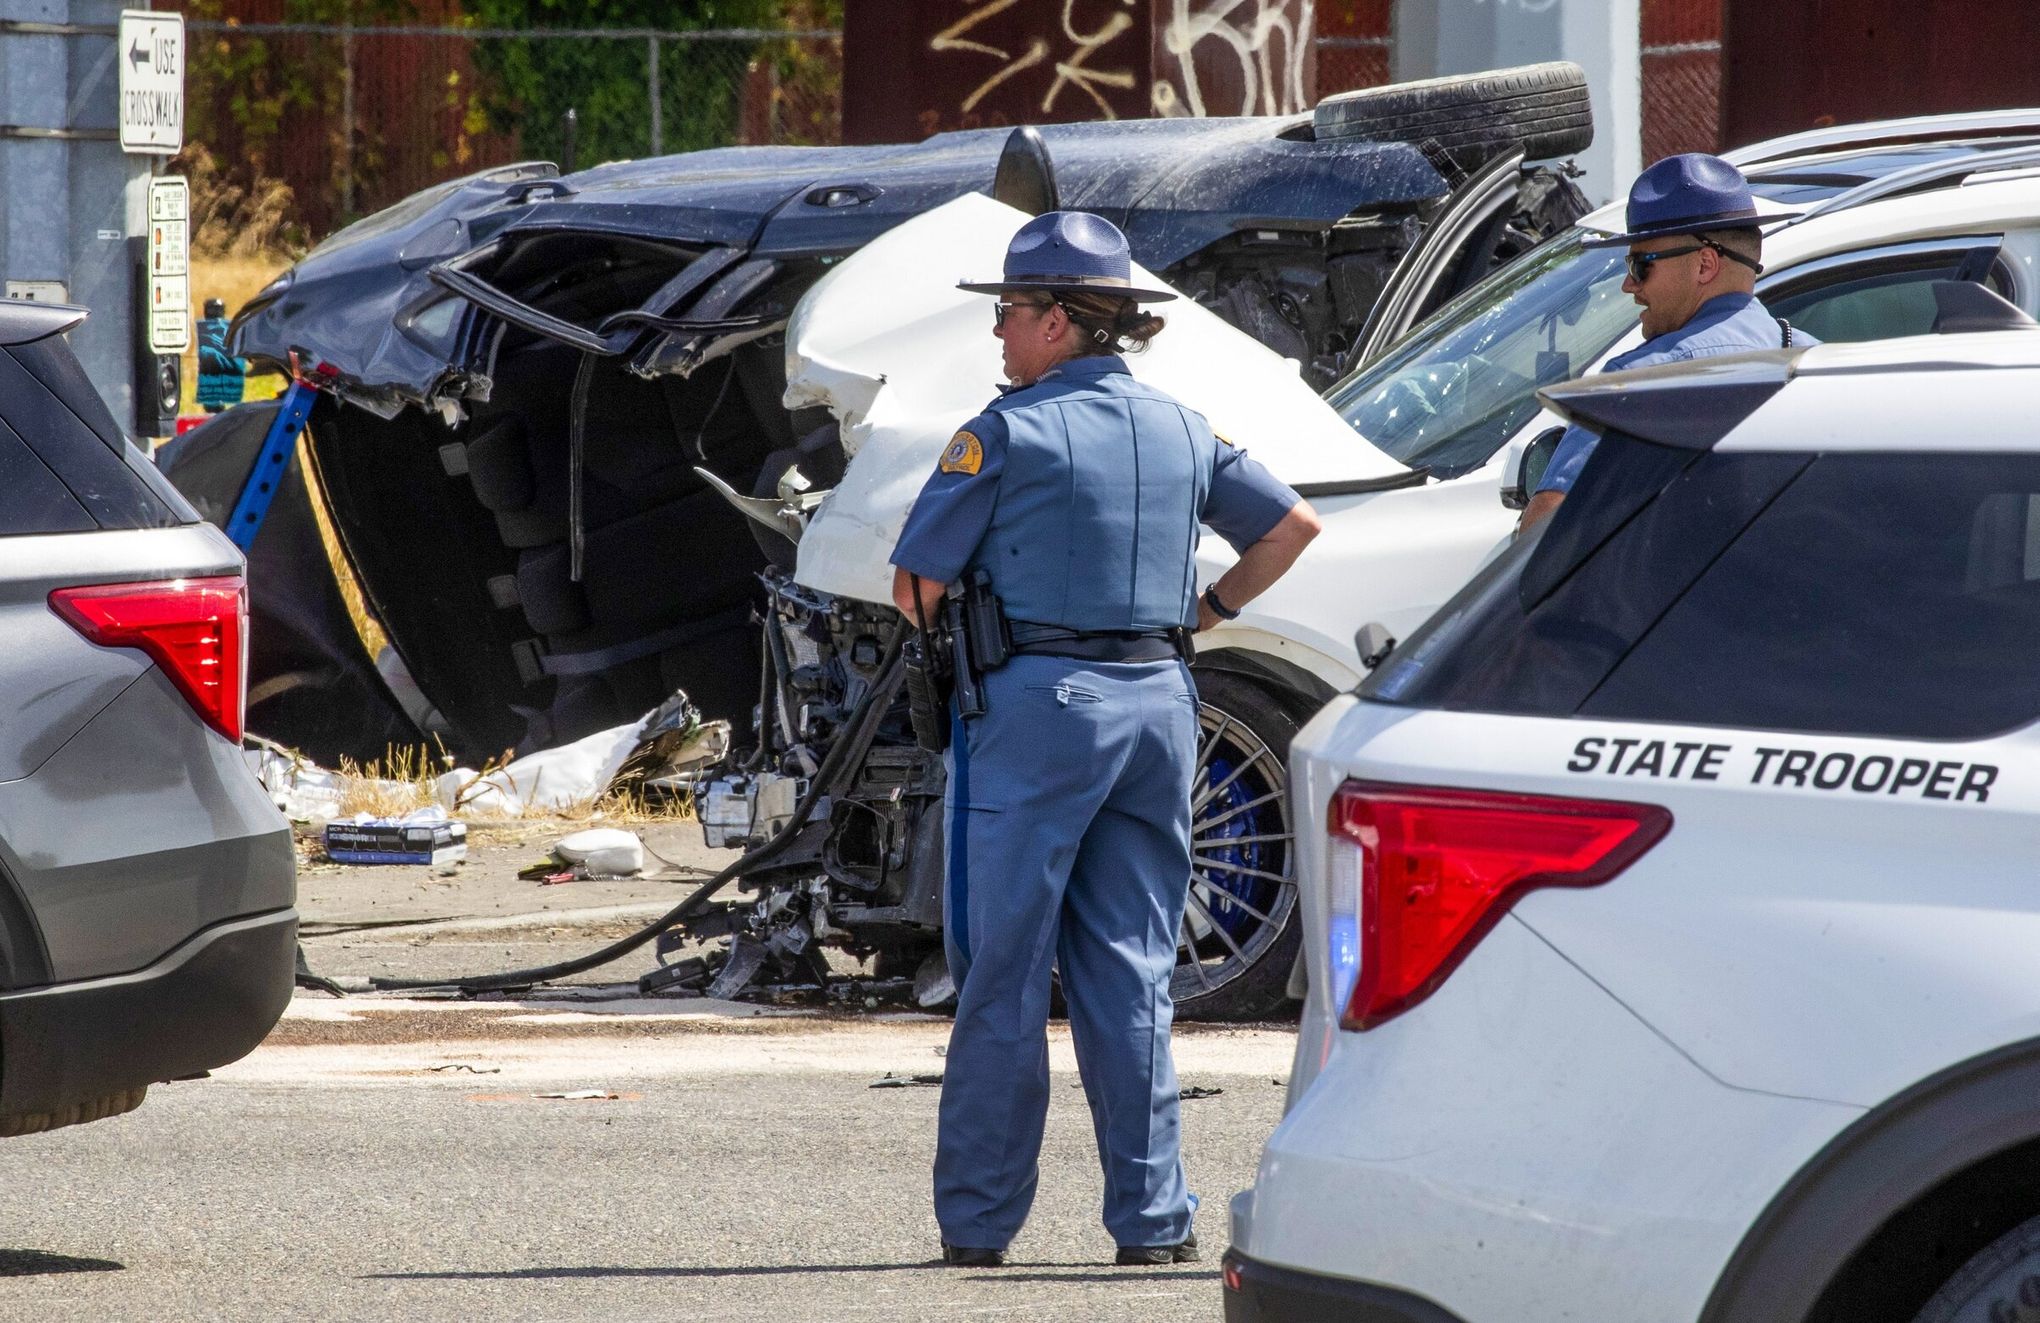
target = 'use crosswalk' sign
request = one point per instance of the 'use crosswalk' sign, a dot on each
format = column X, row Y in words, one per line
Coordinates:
column 151, row 59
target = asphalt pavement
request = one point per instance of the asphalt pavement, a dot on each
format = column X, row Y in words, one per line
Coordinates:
column 399, row 1158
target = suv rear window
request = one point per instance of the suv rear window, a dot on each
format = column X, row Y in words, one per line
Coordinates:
column 56, row 435
column 1873, row 594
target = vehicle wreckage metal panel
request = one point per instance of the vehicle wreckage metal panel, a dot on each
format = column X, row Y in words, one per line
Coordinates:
column 901, row 357
column 365, row 303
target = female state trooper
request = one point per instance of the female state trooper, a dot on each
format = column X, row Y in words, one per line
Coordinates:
column 1079, row 491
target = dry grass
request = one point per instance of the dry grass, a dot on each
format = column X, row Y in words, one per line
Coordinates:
column 391, row 786
column 405, row 779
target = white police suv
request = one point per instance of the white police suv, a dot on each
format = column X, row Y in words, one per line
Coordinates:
column 1674, row 923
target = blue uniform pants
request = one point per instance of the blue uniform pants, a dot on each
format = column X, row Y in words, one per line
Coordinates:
column 1069, row 844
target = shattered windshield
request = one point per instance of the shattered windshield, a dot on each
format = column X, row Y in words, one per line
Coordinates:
column 1449, row 395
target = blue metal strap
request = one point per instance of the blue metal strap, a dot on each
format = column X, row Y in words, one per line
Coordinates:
column 270, row 465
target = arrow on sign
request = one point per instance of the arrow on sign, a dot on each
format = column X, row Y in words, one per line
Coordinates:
column 138, row 57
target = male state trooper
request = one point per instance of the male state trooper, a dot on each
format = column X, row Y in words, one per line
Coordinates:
column 1078, row 493
column 1695, row 253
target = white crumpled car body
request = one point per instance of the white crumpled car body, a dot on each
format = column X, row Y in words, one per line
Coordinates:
column 902, row 358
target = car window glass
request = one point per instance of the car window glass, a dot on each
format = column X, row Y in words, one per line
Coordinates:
column 46, row 400
column 1884, row 292
column 33, row 499
column 1451, row 393
column 1875, row 308
column 1918, row 617
column 1540, row 629
column 51, row 362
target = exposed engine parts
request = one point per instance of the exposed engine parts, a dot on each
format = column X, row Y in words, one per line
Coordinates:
column 863, row 874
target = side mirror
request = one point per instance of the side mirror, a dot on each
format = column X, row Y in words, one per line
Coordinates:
column 1373, row 642
column 1530, row 466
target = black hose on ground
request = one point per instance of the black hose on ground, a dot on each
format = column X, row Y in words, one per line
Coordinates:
column 862, row 726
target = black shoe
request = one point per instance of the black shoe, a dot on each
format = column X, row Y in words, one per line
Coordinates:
column 1155, row 1256
column 970, row 1256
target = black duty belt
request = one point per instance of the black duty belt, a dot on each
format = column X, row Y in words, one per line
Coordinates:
column 1116, row 645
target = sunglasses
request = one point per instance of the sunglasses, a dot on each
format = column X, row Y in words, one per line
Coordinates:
column 1639, row 264
column 999, row 310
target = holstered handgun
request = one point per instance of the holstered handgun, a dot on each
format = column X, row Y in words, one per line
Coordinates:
column 980, row 638
column 984, row 625
column 970, row 695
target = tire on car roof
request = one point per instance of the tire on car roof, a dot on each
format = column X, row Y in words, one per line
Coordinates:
column 1543, row 107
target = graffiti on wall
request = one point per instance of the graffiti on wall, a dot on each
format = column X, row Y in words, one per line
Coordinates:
column 1235, row 57
column 918, row 67
column 1067, row 54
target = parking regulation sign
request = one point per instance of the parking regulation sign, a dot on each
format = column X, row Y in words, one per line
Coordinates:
column 151, row 59
column 169, row 251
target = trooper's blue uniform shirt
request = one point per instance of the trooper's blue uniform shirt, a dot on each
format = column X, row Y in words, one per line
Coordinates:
column 1725, row 324
column 1081, row 494
column 1068, row 801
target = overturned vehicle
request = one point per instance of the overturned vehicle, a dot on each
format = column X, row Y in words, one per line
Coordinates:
column 588, row 440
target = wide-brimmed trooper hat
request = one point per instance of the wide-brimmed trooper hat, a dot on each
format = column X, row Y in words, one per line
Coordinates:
column 1069, row 252
column 1690, row 194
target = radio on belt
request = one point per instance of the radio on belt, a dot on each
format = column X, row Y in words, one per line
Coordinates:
column 745, row 810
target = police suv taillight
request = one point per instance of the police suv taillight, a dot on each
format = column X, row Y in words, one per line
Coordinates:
column 1417, row 875
column 195, row 630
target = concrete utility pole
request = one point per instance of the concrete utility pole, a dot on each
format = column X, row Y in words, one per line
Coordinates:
column 1434, row 37
column 69, row 195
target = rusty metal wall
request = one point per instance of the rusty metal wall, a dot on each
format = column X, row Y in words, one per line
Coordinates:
column 1797, row 65
column 917, row 67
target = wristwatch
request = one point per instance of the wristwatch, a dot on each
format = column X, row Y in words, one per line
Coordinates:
column 1218, row 608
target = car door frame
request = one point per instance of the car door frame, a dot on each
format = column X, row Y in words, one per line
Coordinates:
column 1471, row 213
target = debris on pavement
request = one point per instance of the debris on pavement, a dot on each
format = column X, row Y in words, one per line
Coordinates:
column 305, row 978
column 424, row 836
column 602, row 852
column 549, row 780
column 1195, row 1092
column 662, row 749
column 892, row 1081
column 466, row 1068
column 301, row 790
column 581, row 1095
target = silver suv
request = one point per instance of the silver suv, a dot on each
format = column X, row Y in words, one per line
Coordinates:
column 147, row 928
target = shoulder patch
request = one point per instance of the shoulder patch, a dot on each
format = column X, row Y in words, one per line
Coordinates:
column 966, row 454
column 1226, row 439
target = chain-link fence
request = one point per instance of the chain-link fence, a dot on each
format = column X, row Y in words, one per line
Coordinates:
column 353, row 119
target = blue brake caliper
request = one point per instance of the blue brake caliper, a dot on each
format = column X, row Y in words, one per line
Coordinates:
column 1220, row 864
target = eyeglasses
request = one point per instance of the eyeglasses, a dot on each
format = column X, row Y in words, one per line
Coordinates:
column 1000, row 309
column 1639, row 264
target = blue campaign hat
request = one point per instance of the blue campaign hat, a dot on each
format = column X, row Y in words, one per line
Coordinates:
column 1689, row 194
column 1069, row 252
